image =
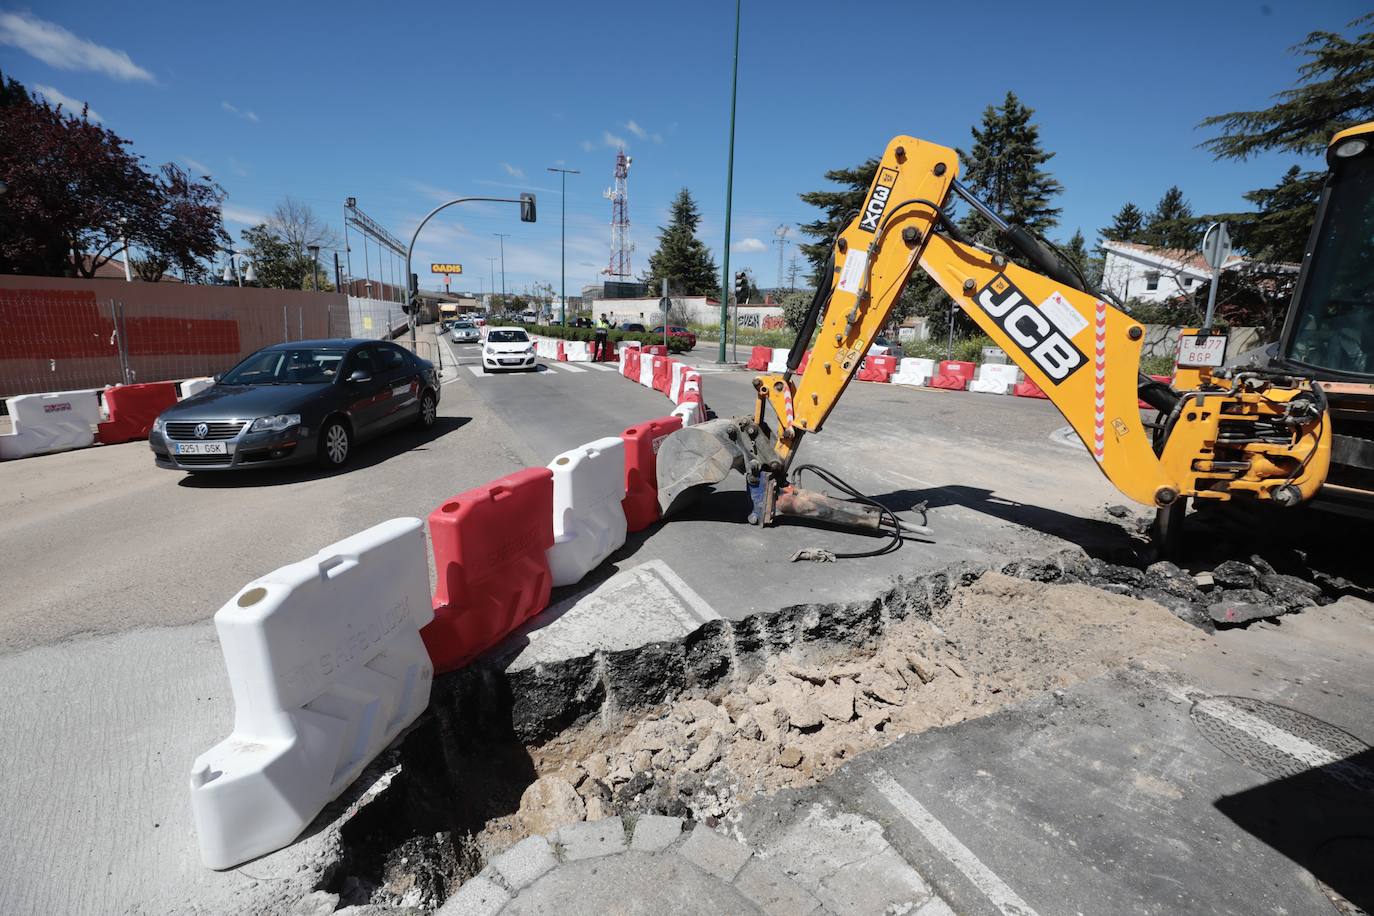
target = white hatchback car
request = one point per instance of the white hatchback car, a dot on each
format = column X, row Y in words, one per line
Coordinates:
column 507, row 348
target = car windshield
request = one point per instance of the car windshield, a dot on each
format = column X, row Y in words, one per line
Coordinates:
column 507, row 336
column 302, row 366
column 463, row 325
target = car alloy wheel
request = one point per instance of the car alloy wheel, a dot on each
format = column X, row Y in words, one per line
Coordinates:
column 335, row 444
column 429, row 411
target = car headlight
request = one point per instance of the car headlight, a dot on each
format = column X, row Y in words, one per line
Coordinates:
column 158, row 424
column 275, row 424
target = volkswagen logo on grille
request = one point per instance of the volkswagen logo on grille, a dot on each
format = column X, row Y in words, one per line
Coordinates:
column 202, row 430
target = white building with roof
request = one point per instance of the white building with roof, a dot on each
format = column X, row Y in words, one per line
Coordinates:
column 1135, row 271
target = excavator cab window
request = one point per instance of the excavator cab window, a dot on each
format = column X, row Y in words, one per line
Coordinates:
column 1333, row 329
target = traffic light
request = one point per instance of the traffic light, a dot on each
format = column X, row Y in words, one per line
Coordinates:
column 742, row 288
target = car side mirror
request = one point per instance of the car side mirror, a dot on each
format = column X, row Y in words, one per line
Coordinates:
column 360, row 375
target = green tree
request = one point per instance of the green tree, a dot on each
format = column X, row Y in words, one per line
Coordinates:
column 1171, row 224
column 1335, row 90
column 681, row 256
column 1076, row 251
column 838, row 208
column 274, row 263
column 1276, row 232
column 1005, row 168
column 1126, row 225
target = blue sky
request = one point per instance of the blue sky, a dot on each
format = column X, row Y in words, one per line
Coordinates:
column 401, row 104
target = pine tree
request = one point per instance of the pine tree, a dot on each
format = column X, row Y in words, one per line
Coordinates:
column 839, row 206
column 681, row 256
column 1077, row 253
column 1172, row 223
column 1278, row 231
column 1126, row 225
column 1005, row 169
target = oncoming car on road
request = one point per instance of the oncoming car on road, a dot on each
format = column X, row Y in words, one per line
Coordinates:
column 290, row 403
column 507, row 348
column 464, row 332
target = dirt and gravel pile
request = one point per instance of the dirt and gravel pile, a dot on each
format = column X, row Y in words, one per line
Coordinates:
column 998, row 641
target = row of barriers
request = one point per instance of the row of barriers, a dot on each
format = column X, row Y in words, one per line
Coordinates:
column 653, row 368
column 60, row 421
column 329, row 659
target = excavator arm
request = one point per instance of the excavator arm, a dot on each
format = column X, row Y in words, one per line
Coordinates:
column 1264, row 437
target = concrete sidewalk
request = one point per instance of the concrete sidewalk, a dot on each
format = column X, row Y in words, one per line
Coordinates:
column 656, row 867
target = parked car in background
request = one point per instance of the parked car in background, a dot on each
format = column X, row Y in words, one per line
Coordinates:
column 507, row 348
column 290, row 403
column 677, row 331
column 632, row 327
column 464, row 332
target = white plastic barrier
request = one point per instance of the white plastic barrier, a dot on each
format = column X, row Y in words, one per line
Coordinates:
column 193, row 386
column 877, row 350
column 778, row 361
column 578, row 351
column 50, row 422
column 675, row 381
column 690, row 413
column 995, row 378
column 326, row 667
column 646, row 370
column 588, row 520
column 914, row 370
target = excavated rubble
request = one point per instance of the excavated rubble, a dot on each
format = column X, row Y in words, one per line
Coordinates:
column 695, row 727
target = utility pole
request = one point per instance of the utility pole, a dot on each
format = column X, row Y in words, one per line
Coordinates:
column 729, row 194
column 503, row 236
column 563, row 246
column 780, row 239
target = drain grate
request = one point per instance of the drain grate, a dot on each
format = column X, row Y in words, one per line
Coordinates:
column 1278, row 742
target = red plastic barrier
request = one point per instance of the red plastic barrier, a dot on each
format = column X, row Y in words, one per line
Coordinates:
column 489, row 546
column 641, row 470
column 1168, row 380
column 806, row 358
column 656, row 350
column 663, row 373
column 758, row 359
column 1028, row 389
column 632, row 356
column 562, row 353
column 962, row 369
column 877, row 368
column 133, row 408
column 951, row 382
column 610, row 355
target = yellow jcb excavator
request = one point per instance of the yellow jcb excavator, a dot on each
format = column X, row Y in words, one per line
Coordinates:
column 1220, row 434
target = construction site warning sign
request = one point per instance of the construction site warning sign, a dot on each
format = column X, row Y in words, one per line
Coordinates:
column 445, row 268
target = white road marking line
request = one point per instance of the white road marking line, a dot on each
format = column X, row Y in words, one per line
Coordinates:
column 476, row 370
column 1270, row 734
column 600, row 367
column 948, row 845
column 567, row 367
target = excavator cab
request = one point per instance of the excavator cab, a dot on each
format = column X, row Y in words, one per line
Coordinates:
column 1249, row 434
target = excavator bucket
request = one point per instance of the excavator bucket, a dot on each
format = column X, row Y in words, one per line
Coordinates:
column 694, row 458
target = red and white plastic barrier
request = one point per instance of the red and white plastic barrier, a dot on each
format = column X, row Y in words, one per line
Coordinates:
column 630, row 362
column 578, row 351
column 326, row 667
column 588, row 519
column 491, row 554
column 777, row 362
column 877, row 368
column 642, row 442
column 995, row 378
column 914, row 370
column 646, row 368
column 1029, row 389
column 759, row 358
column 132, row 410
column 54, row 422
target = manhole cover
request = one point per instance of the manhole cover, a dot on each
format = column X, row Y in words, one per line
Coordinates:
column 1277, row 741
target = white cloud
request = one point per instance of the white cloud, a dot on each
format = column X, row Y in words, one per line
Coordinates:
column 239, row 168
column 512, row 171
column 56, row 97
column 612, row 140
column 237, row 112
column 638, row 131
column 438, row 195
column 242, row 215
column 196, row 165
column 748, row 246
column 588, row 146
column 57, row 47
column 658, row 138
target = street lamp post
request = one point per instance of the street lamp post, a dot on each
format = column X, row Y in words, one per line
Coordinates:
column 503, row 236
column 124, row 241
column 491, row 267
column 563, row 246
column 729, row 190
column 315, row 265
column 527, row 215
column 231, row 269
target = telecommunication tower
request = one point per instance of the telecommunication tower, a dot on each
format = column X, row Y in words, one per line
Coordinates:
column 619, row 196
column 780, row 239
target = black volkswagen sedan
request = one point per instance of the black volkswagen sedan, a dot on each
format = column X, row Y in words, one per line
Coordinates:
column 308, row 400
